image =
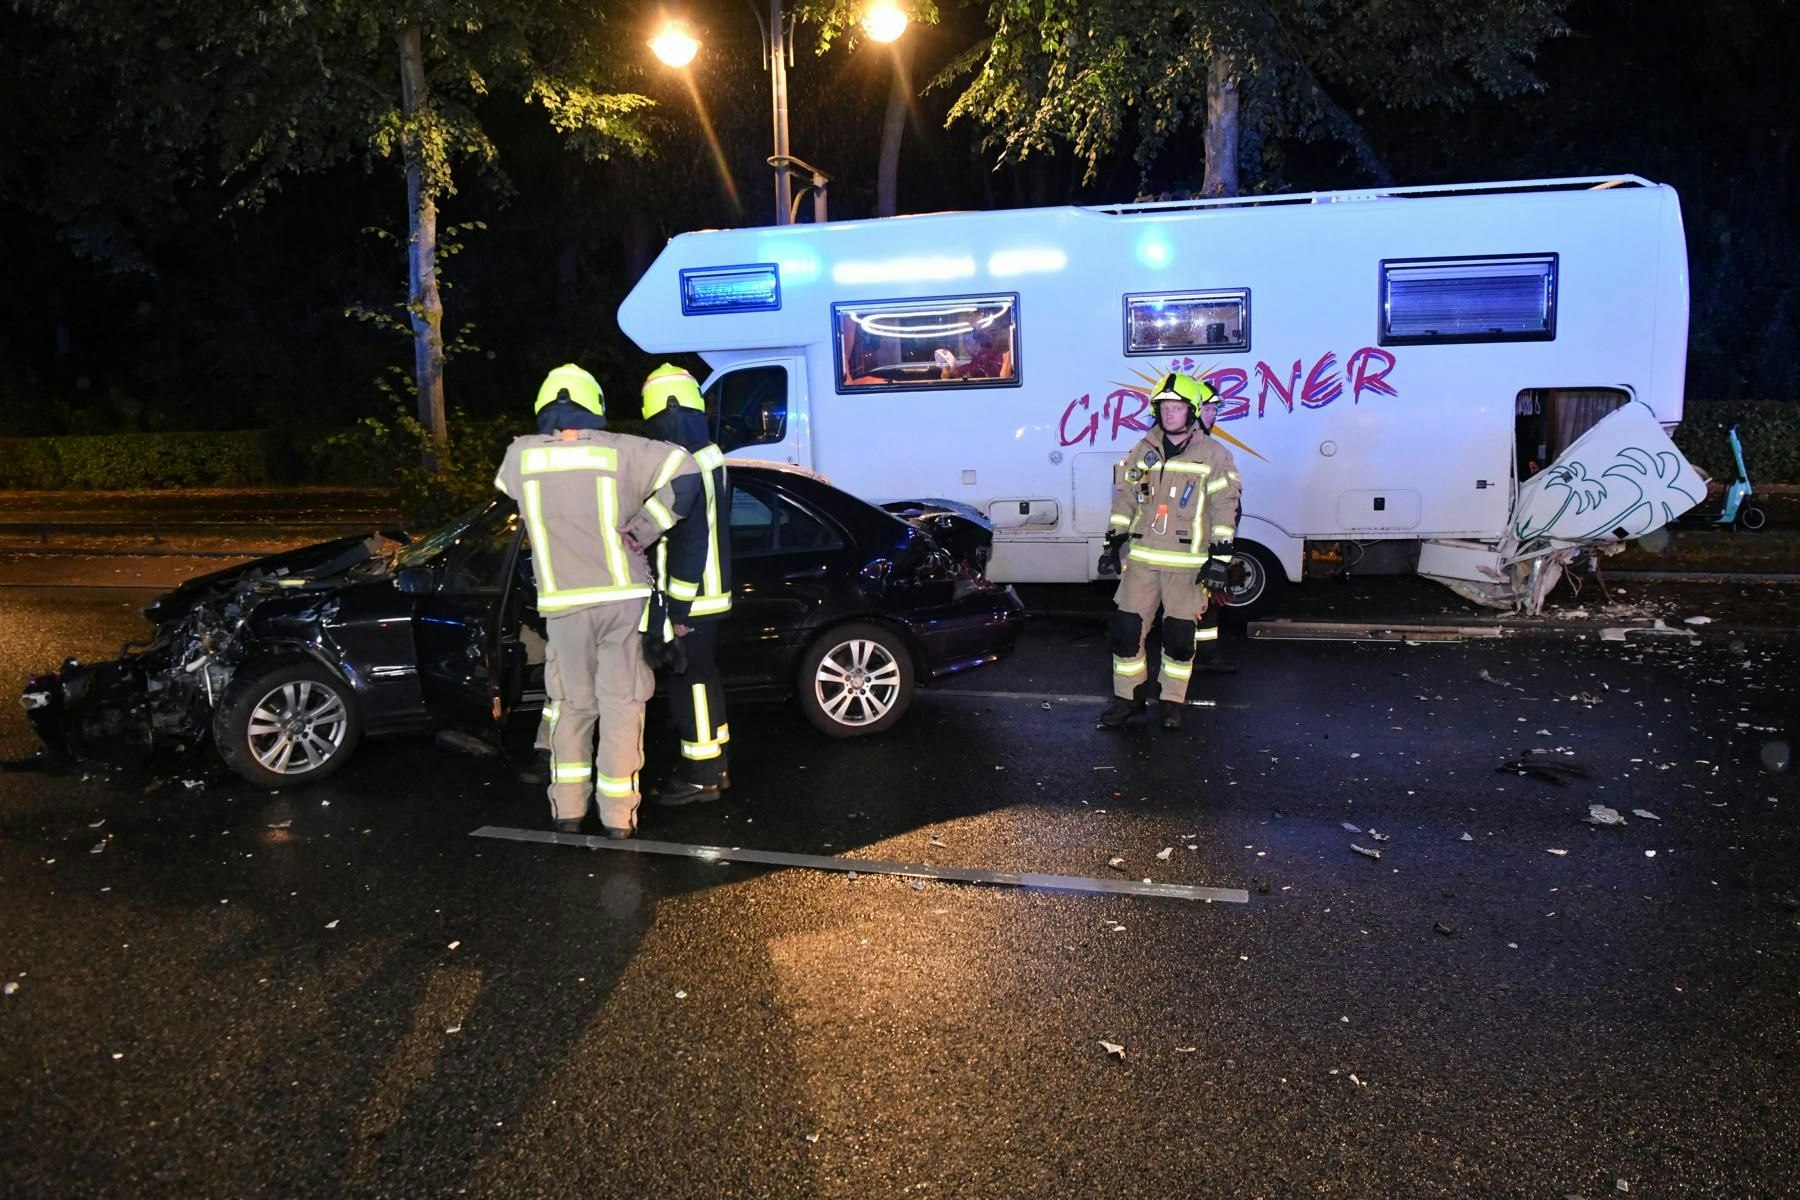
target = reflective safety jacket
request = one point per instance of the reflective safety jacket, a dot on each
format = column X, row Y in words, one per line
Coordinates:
column 580, row 496
column 1178, row 511
column 694, row 562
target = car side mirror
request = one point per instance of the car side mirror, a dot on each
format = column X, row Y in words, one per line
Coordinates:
column 415, row 581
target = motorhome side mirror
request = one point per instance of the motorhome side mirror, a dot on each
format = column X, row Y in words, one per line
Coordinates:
column 415, row 581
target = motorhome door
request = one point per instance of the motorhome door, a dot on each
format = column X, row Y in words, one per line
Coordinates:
column 759, row 410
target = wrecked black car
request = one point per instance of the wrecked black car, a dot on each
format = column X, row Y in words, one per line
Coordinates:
column 284, row 664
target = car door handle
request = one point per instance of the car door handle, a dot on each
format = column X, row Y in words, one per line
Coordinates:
column 817, row 572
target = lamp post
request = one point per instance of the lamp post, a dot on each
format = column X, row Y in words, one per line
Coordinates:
column 883, row 21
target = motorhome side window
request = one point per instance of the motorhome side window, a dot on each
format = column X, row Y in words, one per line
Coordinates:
column 1215, row 322
column 1489, row 299
column 949, row 342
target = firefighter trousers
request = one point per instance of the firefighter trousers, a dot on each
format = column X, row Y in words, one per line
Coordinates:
column 595, row 674
column 1142, row 591
column 697, row 702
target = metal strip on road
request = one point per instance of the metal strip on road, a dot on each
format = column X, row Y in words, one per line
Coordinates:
column 861, row 866
column 1367, row 631
column 1052, row 697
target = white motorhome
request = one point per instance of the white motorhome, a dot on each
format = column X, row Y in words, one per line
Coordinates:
column 1393, row 363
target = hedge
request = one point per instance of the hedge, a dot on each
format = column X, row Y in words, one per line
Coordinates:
column 1768, row 429
column 137, row 461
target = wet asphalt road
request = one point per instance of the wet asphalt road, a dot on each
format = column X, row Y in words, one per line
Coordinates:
column 336, row 991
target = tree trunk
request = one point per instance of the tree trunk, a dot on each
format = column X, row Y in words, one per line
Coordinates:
column 1221, row 128
column 424, row 304
column 893, row 128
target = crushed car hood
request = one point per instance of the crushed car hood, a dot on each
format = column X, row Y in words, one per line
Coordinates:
column 323, row 560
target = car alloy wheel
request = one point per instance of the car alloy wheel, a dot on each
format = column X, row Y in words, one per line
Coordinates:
column 297, row 727
column 857, row 682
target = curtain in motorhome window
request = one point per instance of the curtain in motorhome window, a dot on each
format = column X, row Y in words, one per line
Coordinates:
column 1491, row 299
column 945, row 342
column 1214, row 322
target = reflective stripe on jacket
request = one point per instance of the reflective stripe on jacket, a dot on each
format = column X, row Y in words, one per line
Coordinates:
column 580, row 496
column 694, row 564
column 1177, row 507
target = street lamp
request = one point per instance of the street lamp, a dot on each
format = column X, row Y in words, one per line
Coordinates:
column 674, row 45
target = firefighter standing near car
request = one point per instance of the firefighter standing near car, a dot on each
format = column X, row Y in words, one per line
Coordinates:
column 592, row 501
column 1174, row 515
column 693, row 568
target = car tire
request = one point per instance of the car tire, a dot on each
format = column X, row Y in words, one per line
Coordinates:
column 268, row 704
column 1264, row 582
column 855, row 680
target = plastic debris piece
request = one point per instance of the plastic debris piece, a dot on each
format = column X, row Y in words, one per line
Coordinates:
column 1352, row 828
column 1113, row 1048
column 1186, row 1049
column 12, row 985
column 1466, row 838
column 1356, row 755
column 1621, row 1185
column 939, row 843
column 681, row 995
column 1165, row 852
column 812, row 1139
column 454, row 945
column 1365, row 851
column 453, row 1029
column 1380, row 837
column 97, row 824
column 332, row 924
column 1649, row 854
column 1115, row 861
column 918, row 885
column 98, row 846
column 281, row 824
column 1645, row 813
column 191, row 784
column 1446, row 930
column 1697, row 620
column 1512, row 945
column 1046, row 706
column 1560, row 853
column 1600, row 814
column 1356, row 1081
column 117, row 1056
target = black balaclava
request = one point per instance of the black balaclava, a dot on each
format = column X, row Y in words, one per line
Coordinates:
column 683, row 426
column 566, row 414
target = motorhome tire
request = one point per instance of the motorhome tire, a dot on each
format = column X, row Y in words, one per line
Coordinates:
column 287, row 722
column 855, row 680
column 1259, row 593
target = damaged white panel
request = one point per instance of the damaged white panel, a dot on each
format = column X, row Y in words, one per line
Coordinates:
column 1620, row 480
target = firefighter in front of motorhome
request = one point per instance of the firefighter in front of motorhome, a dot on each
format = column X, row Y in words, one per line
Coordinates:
column 693, row 568
column 592, row 501
column 1174, row 512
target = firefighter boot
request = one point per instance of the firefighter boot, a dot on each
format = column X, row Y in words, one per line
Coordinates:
column 1171, row 714
column 1118, row 713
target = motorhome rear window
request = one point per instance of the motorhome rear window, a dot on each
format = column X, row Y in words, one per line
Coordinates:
column 1210, row 322
column 1491, row 299
column 946, row 342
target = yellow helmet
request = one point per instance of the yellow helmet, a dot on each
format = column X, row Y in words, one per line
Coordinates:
column 1177, row 386
column 670, row 384
column 569, row 382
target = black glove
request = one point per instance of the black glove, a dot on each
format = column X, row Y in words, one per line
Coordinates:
column 1108, row 562
column 1216, row 573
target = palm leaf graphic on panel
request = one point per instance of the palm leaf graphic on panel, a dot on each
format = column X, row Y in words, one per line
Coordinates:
column 1639, row 490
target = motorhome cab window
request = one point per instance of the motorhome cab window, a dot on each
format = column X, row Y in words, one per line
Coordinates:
column 899, row 345
column 1497, row 299
column 1210, row 322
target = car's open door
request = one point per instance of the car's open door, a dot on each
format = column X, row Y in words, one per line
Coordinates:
column 470, row 670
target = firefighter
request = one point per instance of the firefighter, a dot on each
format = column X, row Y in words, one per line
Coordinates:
column 1222, row 534
column 1175, row 496
column 693, row 567
column 592, row 502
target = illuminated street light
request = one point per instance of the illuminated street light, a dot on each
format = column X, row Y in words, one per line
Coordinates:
column 675, row 46
column 885, row 21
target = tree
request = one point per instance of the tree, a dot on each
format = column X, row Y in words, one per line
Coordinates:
column 232, row 98
column 1093, row 74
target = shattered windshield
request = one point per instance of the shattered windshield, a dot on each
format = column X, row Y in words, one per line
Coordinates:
column 427, row 548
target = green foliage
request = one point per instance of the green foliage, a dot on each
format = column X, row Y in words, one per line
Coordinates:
column 1091, row 74
column 390, row 452
column 1768, row 429
column 137, row 461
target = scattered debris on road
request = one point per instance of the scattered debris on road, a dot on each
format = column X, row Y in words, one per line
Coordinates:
column 1365, row 851
column 1113, row 1048
column 1446, row 930
column 1645, row 813
column 1600, row 814
column 1164, row 853
column 1466, row 837
column 1560, row 853
column 1546, row 766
